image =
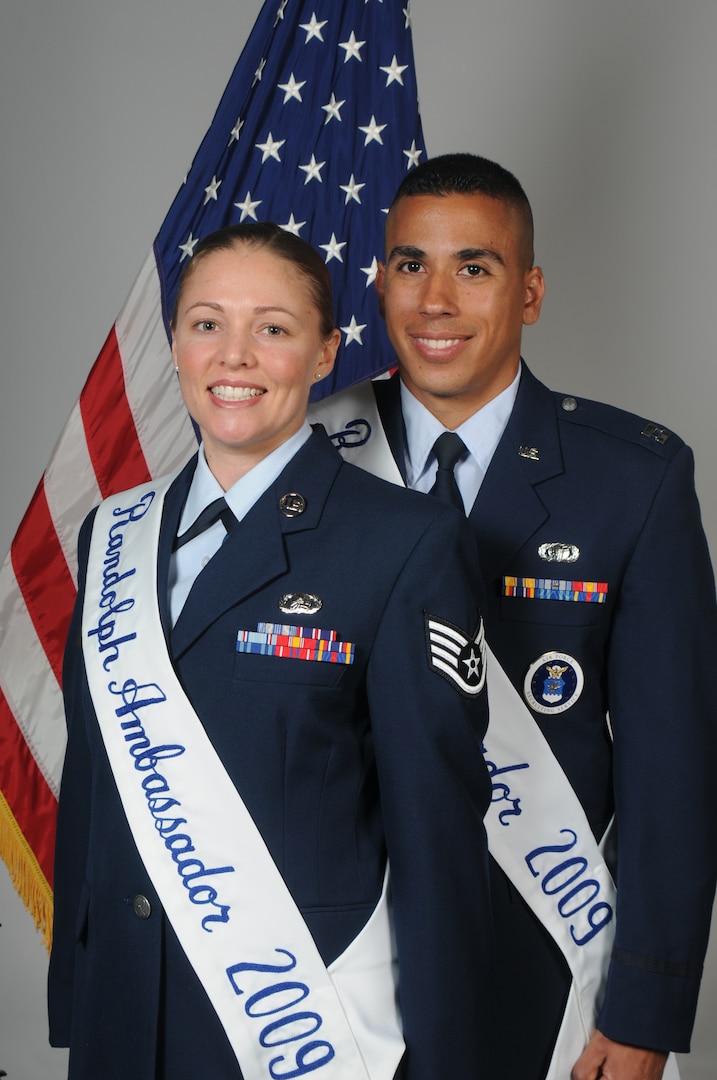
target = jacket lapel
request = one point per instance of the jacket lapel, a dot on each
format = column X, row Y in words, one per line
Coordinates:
column 173, row 503
column 255, row 554
column 509, row 508
column 388, row 402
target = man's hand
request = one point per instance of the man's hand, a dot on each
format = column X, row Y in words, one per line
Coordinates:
column 603, row 1059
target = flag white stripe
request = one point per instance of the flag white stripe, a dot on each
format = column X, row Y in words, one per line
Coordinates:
column 29, row 684
column 71, row 487
column 163, row 427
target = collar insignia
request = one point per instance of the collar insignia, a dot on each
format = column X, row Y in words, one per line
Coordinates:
column 292, row 504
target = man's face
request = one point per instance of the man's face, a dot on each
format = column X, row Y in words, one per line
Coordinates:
column 456, row 291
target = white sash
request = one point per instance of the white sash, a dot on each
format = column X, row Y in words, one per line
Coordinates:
column 351, row 419
column 283, row 1012
column 537, row 829
column 540, row 836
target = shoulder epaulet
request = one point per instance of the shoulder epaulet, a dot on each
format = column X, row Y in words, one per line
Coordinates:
column 618, row 423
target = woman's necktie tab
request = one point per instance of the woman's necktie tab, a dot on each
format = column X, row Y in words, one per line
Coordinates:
column 216, row 511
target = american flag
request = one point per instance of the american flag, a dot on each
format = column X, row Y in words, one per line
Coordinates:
column 316, row 128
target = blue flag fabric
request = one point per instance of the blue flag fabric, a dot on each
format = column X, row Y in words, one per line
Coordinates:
column 316, row 128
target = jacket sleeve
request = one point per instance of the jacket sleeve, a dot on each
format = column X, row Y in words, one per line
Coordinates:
column 72, row 826
column 662, row 711
column 434, row 791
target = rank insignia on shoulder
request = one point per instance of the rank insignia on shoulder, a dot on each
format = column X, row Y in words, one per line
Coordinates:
column 458, row 658
column 554, row 683
column 656, row 433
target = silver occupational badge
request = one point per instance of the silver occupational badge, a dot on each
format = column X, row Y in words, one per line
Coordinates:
column 292, row 504
column 300, row 603
column 554, row 551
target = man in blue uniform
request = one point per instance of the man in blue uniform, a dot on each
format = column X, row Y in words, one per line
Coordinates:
column 600, row 611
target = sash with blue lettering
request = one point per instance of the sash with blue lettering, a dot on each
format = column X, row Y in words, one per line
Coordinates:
column 284, row 1012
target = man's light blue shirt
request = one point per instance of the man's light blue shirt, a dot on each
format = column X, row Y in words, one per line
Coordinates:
column 481, row 433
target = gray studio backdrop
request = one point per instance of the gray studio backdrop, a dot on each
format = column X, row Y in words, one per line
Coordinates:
column 605, row 109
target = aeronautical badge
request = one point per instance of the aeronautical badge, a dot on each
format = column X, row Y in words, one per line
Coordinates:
column 555, row 551
column 300, row 603
column 553, row 683
column 458, row 658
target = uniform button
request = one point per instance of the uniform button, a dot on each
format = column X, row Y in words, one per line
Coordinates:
column 569, row 404
column 142, row 906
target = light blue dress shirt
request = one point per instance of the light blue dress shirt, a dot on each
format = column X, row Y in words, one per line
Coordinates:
column 481, row 433
column 186, row 563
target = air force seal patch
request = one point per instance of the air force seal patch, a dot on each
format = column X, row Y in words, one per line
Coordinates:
column 459, row 659
column 553, row 683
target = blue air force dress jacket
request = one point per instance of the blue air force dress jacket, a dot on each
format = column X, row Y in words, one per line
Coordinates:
column 579, row 491
column 338, row 765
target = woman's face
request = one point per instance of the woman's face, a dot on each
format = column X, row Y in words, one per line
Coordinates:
column 248, row 346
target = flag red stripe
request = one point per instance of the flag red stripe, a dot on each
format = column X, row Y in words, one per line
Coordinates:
column 33, row 805
column 112, row 442
column 44, row 579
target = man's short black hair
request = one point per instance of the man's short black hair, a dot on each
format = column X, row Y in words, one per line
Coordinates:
column 468, row 174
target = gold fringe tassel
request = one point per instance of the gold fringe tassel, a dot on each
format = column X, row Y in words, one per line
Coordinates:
column 25, row 872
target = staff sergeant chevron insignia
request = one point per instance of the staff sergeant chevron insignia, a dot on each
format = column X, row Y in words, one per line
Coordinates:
column 458, row 658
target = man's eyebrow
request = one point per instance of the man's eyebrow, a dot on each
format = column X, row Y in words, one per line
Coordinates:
column 406, row 251
column 479, row 253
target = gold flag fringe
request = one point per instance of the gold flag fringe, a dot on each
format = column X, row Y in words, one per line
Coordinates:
column 27, row 877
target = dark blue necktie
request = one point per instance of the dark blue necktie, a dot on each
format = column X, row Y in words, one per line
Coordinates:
column 216, row 511
column 448, row 449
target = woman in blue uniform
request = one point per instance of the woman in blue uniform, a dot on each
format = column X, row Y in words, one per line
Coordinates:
column 274, row 686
